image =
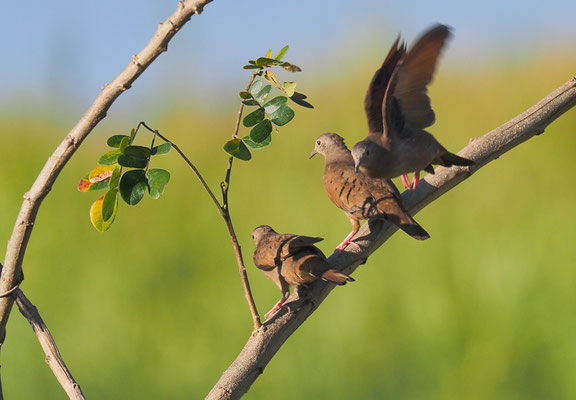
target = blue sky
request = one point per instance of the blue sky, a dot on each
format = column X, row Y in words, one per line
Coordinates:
column 63, row 52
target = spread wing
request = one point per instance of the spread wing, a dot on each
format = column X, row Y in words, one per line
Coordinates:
column 296, row 243
column 377, row 88
column 406, row 102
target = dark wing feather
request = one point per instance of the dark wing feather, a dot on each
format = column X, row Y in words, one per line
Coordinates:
column 296, row 243
column 378, row 85
column 406, row 102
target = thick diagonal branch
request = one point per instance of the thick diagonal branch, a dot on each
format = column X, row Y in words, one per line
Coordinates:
column 264, row 343
column 11, row 273
column 53, row 357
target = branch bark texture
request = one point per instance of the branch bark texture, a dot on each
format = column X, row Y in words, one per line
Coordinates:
column 53, row 357
column 12, row 271
column 266, row 341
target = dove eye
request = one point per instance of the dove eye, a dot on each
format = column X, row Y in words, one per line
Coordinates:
column 318, row 142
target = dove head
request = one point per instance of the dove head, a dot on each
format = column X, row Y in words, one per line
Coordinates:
column 329, row 143
column 261, row 231
column 367, row 157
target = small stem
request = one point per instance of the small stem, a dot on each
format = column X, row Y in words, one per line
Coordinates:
column 190, row 164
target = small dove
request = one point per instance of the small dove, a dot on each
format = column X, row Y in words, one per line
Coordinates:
column 360, row 196
column 398, row 109
column 289, row 260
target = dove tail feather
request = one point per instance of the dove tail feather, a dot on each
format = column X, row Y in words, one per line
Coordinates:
column 415, row 230
column 336, row 277
column 448, row 159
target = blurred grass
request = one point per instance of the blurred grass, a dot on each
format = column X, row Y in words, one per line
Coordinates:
column 154, row 308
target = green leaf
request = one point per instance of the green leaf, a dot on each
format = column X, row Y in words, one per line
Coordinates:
column 132, row 135
column 164, row 148
column 252, row 62
column 114, row 141
column 109, row 204
column 245, row 95
column 275, row 104
column 256, row 86
column 282, row 116
column 134, row 157
column 124, row 143
column 96, row 216
column 115, row 178
column 253, row 118
column 290, row 67
column 261, row 131
column 250, row 67
column 133, row 185
column 265, row 62
column 268, row 53
column 262, row 94
column 238, row 149
column 289, row 88
column 281, row 53
column 110, row 157
column 301, row 102
column 157, row 180
column 253, row 145
column 250, row 102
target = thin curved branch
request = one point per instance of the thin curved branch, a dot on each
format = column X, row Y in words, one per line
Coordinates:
column 264, row 343
column 53, row 357
column 11, row 273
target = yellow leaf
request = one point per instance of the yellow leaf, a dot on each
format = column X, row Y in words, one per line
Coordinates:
column 96, row 216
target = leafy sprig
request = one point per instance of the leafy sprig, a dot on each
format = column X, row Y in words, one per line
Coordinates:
column 112, row 174
column 270, row 112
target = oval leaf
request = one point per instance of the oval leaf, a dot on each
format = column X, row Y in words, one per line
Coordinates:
column 281, row 53
column 109, row 204
column 115, row 178
column 301, row 102
column 245, row 95
column 133, row 185
column 282, row 116
column 290, row 67
column 275, row 104
column 255, row 87
column 157, row 180
column 289, row 88
column 250, row 102
column 134, row 157
column 253, row 118
column 96, row 216
column 114, row 141
column 250, row 67
column 265, row 62
column 101, row 172
column 162, row 149
column 238, row 149
column 253, row 145
column 261, row 131
column 262, row 94
column 110, row 157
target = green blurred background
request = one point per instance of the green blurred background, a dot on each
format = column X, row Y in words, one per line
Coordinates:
column 154, row 308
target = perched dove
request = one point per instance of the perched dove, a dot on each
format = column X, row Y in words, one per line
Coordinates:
column 289, row 260
column 398, row 109
column 360, row 196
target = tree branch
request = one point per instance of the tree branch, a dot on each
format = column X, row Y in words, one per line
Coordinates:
column 53, row 357
column 11, row 273
column 265, row 342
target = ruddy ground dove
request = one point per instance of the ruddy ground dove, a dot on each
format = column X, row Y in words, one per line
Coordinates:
column 289, row 260
column 398, row 109
column 360, row 196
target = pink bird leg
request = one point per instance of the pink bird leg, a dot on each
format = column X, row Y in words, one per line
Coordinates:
column 277, row 307
column 347, row 241
column 415, row 180
column 406, row 182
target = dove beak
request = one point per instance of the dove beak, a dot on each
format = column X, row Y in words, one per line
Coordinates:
column 356, row 166
column 314, row 152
